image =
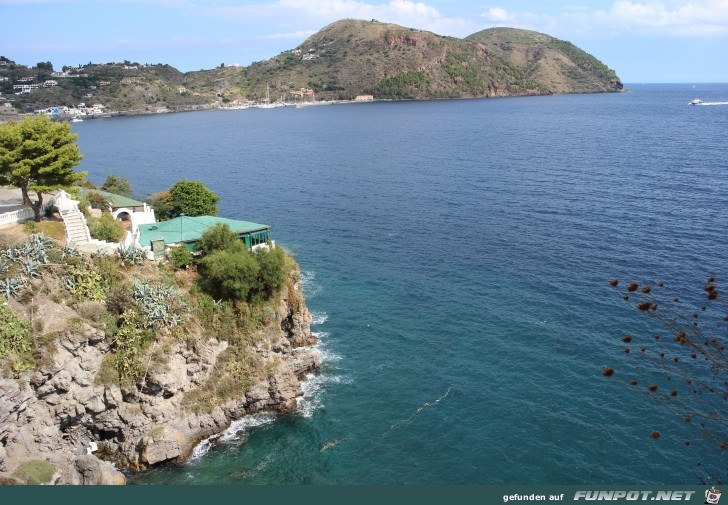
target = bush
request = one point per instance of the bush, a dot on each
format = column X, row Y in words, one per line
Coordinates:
column 85, row 284
column 181, row 257
column 14, row 333
column 98, row 202
column 229, row 274
column 30, row 227
column 106, row 228
column 272, row 274
column 119, row 298
column 218, row 238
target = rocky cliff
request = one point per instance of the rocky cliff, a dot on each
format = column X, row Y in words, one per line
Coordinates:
column 62, row 420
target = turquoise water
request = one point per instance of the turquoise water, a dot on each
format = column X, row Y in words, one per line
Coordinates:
column 456, row 258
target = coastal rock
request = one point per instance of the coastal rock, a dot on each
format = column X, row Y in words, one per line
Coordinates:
column 163, row 443
column 95, row 472
column 57, row 412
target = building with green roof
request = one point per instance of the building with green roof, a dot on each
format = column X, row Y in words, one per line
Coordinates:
column 125, row 208
column 188, row 230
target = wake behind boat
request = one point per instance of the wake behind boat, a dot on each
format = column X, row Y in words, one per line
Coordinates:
column 698, row 101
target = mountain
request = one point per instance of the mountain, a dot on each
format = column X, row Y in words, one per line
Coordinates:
column 557, row 64
column 344, row 59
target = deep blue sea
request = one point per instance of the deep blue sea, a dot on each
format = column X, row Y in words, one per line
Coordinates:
column 456, row 257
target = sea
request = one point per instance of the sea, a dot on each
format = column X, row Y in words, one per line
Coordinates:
column 456, row 256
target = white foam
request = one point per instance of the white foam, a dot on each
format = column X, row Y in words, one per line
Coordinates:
column 308, row 282
column 313, row 388
column 235, row 434
column 319, row 317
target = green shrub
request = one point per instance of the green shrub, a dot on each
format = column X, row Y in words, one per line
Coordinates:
column 106, row 228
column 35, row 472
column 130, row 341
column 85, row 284
column 108, row 268
column 230, row 275
column 98, row 202
column 119, row 298
column 219, row 238
column 14, row 333
column 271, row 274
column 181, row 257
column 30, row 227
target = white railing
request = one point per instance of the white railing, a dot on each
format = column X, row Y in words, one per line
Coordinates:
column 16, row 216
column 26, row 213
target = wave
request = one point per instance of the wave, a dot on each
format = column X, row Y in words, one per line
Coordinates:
column 319, row 317
column 308, row 282
column 713, row 103
column 235, row 434
column 313, row 388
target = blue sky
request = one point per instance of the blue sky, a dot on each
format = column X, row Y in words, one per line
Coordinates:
column 642, row 40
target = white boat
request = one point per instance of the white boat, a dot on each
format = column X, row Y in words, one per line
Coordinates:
column 77, row 120
column 696, row 101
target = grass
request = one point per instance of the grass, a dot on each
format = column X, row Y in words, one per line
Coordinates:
column 35, row 472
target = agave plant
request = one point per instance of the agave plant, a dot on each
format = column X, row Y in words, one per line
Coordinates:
column 70, row 251
column 11, row 287
column 3, row 267
column 133, row 255
column 158, row 303
column 36, row 247
column 14, row 254
column 30, row 268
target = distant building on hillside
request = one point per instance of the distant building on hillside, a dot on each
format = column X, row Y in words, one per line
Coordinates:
column 364, row 98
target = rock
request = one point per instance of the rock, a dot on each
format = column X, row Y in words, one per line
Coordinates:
column 2, row 458
column 95, row 472
column 62, row 381
column 163, row 443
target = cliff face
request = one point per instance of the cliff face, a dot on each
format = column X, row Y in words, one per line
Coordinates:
column 58, row 412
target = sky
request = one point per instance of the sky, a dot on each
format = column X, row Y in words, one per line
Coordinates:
column 642, row 40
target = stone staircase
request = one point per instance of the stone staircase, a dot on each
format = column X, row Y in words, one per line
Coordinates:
column 76, row 229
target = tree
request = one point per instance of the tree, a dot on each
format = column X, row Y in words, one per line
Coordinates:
column 193, row 198
column 684, row 368
column 162, row 204
column 218, row 238
column 117, row 185
column 229, row 274
column 39, row 155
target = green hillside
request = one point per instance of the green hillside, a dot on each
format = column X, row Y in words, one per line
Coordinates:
column 341, row 61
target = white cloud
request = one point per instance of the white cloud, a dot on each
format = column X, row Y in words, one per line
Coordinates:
column 290, row 35
column 496, row 14
column 701, row 18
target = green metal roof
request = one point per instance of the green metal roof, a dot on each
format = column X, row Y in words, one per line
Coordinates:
column 115, row 200
column 190, row 229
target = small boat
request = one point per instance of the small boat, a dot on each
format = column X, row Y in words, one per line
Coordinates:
column 77, row 120
column 696, row 101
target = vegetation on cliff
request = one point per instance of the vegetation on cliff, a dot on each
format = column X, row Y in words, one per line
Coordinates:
column 341, row 61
